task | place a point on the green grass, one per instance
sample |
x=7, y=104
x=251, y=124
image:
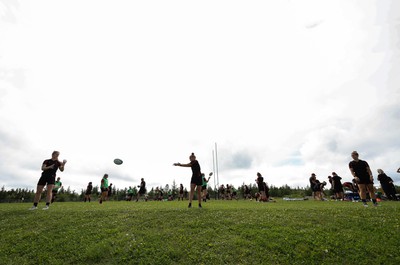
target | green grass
x=223, y=232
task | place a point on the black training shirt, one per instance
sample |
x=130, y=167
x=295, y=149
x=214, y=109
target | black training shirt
x=195, y=168
x=51, y=171
x=360, y=169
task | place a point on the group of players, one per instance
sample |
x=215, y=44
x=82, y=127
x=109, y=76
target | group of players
x=363, y=182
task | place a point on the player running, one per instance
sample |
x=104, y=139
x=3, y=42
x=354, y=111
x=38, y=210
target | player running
x=196, y=181
x=104, y=188
x=56, y=188
x=49, y=168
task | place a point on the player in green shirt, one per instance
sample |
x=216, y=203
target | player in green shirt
x=204, y=186
x=104, y=188
x=130, y=194
x=57, y=186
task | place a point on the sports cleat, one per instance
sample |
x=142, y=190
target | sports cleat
x=200, y=206
x=190, y=205
x=377, y=205
x=33, y=208
x=46, y=208
x=365, y=205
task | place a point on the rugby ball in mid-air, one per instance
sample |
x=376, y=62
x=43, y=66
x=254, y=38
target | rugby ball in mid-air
x=118, y=161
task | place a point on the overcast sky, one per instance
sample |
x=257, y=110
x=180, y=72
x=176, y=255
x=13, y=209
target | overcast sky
x=285, y=88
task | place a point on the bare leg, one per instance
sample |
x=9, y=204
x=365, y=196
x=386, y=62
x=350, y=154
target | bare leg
x=371, y=191
x=38, y=194
x=192, y=186
x=199, y=194
x=49, y=193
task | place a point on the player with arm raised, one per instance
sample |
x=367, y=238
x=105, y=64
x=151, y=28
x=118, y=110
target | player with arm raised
x=196, y=181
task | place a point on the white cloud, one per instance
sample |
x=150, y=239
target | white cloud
x=285, y=88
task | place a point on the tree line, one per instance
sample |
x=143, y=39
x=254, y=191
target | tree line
x=117, y=194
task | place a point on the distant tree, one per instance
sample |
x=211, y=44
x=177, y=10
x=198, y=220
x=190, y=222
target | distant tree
x=174, y=189
x=150, y=193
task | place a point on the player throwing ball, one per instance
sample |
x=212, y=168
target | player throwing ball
x=196, y=181
x=49, y=168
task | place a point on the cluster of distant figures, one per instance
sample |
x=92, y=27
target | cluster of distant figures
x=361, y=185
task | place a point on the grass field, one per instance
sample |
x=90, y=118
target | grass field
x=223, y=232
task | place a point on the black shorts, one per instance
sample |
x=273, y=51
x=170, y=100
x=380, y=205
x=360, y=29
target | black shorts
x=104, y=189
x=337, y=190
x=365, y=181
x=54, y=191
x=49, y=180
x=196, y=180
x=88, y=193
x=261, y=188
x=203, y=188
x=142, y=191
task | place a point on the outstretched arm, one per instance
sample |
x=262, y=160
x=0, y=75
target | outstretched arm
x=182, y=165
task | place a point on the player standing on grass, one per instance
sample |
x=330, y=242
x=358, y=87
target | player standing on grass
x=56, y=188
x=337, y=186
x=313, y=182
x=196, y=181
x=261, y=188
x=246, y=192
x=180, y=192
x=104, y=188
x=142, y=190
x=88, y=191
x=363, y=176
x=49, y=167
x=204, y=186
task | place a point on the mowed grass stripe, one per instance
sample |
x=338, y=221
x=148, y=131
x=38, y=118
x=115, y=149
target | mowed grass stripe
x=223, y=232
